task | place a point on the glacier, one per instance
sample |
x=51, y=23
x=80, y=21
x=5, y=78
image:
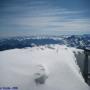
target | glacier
x=49, y=67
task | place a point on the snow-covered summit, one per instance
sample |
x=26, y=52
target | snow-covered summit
x=53, y=66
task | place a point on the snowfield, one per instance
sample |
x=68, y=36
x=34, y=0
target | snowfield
x=52, y=67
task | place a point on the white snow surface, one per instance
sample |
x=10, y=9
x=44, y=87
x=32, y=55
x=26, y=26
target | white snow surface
x=18, y=67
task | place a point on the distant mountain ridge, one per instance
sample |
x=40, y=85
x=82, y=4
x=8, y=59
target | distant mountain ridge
x=77, y=41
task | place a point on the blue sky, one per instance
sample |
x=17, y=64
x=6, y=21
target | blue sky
x=49, y=17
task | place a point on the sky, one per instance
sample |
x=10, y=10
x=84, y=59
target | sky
x=44, y=17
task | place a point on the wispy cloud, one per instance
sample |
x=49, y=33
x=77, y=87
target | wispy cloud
x=42, y=16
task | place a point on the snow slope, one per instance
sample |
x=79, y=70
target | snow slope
x=55, y=65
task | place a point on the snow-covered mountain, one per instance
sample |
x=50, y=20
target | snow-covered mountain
x=78, y=41
x=48, y=67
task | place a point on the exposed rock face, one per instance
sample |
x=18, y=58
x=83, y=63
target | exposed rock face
x=80, y=57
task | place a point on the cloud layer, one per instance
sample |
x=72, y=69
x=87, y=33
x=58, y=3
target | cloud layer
x=32, y=16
